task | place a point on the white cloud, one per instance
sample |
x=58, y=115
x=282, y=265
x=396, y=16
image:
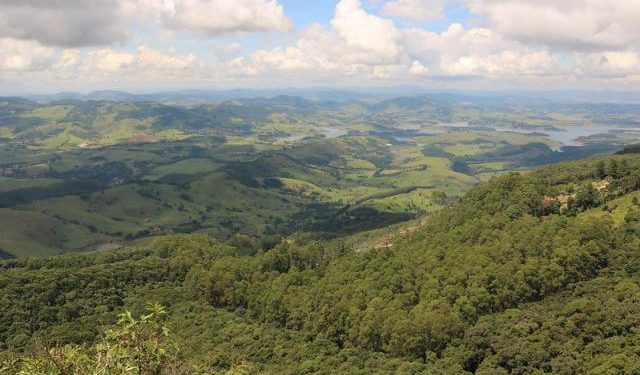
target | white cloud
x=608, y=64
x=81, y=23
x=287, y=59
x=565, y=24
x=19, y=55
x=143, y=63
x=415, y=10
x=417, y=69
x=68, y=60
x=536, y=42
x=74, y=69
x=371, y=33
x=367, y=47
x=107, y=60
x=358, y=45
x=621, y=61
x=455, y=42
x=216, y=17
x=506, y=63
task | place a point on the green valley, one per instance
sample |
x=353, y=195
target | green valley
x=412, y=235
x=526, y=274
x=95, y=175
x=344, y=187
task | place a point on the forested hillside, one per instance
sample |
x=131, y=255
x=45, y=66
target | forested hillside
x=526, y=274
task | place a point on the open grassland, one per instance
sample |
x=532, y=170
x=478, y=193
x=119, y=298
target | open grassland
x=35, y=234
x=131, y=192
x=619, y=210
x=96, y=172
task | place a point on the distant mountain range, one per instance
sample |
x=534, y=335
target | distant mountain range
x=194, y=97
x=368, y=95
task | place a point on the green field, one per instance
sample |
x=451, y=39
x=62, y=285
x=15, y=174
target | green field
x=109, y=172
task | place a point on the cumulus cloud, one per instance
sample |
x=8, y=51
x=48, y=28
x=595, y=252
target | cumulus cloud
x=454, y=42
x=415, y=10
x=357, y=28
x=417, y=69
x=67, y=61
x=476, y=51
x=369, y=47
x=18, y=55
x=566, y=24
x=68, y=23
x=145, y=62
x=81, y=23
x=358, y=44
x=506, y=63
x=608, y=64
x=512, y=41
x=215, y=17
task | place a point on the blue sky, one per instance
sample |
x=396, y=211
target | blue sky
x=441, y=44
x=304, y=13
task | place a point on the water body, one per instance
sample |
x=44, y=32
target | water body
x=460, y=124
x=405, y=133
x=568, y=135
x=329, y=132
x=408, y=138
x=333, y=132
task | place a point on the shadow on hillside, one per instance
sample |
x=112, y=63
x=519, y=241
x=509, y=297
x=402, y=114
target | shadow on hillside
x=333, y=220
x=5, y=255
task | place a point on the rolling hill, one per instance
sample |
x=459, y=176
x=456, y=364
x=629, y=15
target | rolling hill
x=526, y=274
x=98, y=174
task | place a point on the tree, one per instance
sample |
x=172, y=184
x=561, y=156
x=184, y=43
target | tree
x=601, y=171
x=612, y=168
x=439, y=197
x=135, y=346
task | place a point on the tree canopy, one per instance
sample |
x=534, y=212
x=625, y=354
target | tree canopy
x=527, y=274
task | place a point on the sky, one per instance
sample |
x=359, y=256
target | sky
x=152, y=45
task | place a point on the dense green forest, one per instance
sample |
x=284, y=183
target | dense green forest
x=526, y=274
